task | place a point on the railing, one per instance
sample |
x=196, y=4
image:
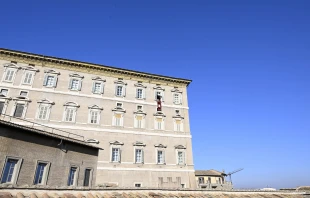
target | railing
x=45, y=128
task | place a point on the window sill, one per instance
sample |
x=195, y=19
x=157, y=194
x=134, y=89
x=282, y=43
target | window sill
x=161, y=163
x=7, y=81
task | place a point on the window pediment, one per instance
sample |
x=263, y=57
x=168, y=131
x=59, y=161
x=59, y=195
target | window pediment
x=46, y=101
x=158, y=87
x=75, y=75
x=120, y=82
x=140, y=85
x=116, y=143
x=94, y=141
x=30, y=68
x=179, y=147
x=98, y=78
x=72, y=104
x=178, y=116
x=158, y=113
x=176, y=90
x=137, y=143
x=11, y=65
x=2, y=96
x=96, y=107
x=139, y=112
x=160, y=146
x=51, y=71
x=22, y=98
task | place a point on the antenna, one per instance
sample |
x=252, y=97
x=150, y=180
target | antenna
x=230, y=173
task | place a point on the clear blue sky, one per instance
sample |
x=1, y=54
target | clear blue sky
x=249, y=62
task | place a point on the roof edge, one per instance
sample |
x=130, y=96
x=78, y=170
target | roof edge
x=94, y=65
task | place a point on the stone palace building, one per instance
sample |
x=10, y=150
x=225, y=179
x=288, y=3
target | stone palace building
x=143, y=146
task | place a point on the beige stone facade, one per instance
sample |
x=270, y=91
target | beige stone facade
x=117, y=107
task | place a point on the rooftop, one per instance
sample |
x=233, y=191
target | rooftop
x=8, y=121
x=208, y=173
x=86, y=65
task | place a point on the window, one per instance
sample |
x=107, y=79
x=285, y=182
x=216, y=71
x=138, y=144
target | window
x=157, y=95
x=138, y=185
x=115, y=155
x=119, y=90
x=209, y=180
x=177, y=111
x=94, y=117
x=41, y=173
x=50, y=78
x=75, y=83
x=139, y=156
x=4, y=92
x=178, y=124
x=87, y=177
x=119, y=105
x=50, y=81
x=28, y=78
x=9, y=74
x=177, y=98
x=69, y=115
x=97, y=88
x=201, y=180
x=72, y=176
x=139, y=93
x=19, y=110
x=43, y=112
x=23, y=93
x=181, y=157
x=139, y=121
x=160, y=157
x=159, y=123
x=118, y=119
x=1, y=107
x=139, y=108
x=10, y=171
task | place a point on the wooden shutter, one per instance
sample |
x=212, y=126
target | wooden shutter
x=70, y=83
x=102, y=88
x=55, y=81
x=45, y=80
x=80, y=85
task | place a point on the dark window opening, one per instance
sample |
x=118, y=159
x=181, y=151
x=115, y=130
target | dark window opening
x=19, y=110
x=87, y=177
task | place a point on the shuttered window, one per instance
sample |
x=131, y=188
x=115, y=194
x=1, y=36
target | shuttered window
x=19, y=110
x=9, y=75
x=43, y=112
x=28, y=78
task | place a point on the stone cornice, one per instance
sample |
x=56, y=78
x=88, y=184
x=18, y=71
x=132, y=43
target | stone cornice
x=78, y=66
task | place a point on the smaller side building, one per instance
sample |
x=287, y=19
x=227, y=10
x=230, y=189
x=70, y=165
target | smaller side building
x=212, y=179
x=30, y=156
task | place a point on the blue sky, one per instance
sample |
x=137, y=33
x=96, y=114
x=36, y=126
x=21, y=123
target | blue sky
x=249, y=62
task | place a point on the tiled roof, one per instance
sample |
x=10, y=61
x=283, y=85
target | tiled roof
x=208, y=173
x=41, y=132
x=134, y=193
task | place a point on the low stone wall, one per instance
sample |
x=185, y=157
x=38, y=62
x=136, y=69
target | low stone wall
x=143, y=193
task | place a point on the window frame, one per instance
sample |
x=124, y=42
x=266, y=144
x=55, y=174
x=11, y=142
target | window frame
x=16, y=170
x=120, y=83
x=121, y=119
x=156, y=123
x=50, y=73
x=135, y=155
x=116, y=145
x=70, y=106
x=90, y=176
x=45, y=174
x=76, y=175
x=77, y=77
x=163, y=156
x=10, y=67
x=97, y=109
x=98, y=79
x=6, y=93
